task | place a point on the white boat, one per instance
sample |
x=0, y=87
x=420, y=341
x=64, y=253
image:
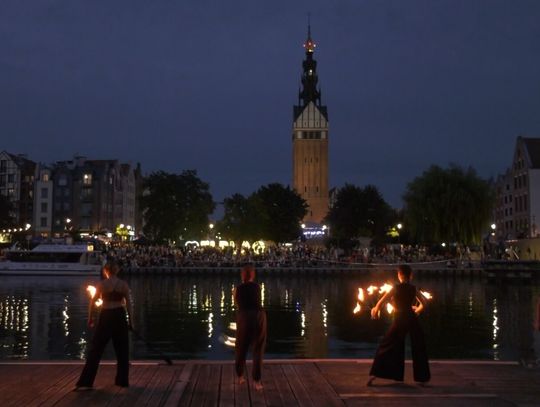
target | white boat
x=53, y=259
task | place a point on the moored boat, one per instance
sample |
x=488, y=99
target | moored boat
x=53, y=259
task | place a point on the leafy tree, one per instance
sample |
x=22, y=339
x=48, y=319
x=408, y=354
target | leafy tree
x=281, y=211
x=6, y=208
x=176, y=206
x=359, y=212
x=452, y=205
x=273, y=212
x=241, y=220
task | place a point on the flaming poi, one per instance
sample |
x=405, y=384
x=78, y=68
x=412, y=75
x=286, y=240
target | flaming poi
x=92, y=292
x=363, y=303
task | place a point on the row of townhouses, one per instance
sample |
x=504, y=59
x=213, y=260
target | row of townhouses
x=517, y=193
x=88, y=196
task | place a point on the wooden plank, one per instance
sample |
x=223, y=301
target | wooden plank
x=214, y=382
x=136, y=378
x=65, y=375
x=320, y=390
x=297, y=387
x=15, y=384
x=241, y=391
x=103, y=385
x=271, y=392
x=228, y=376
x=63, y=388
x=187, y=396
x=179, y=386
x=128, y=397
x=156, y=387
x=283, y=387
x=36, y=386
x=201, y=387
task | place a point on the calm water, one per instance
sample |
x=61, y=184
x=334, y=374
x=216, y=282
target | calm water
x=308, y=317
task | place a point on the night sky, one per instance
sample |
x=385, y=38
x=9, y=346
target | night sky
x=210, y=85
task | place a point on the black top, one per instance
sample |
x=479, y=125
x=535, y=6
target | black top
x=248, y=296
x=404, y=297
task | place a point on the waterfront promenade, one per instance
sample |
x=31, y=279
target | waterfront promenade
x=286, y=383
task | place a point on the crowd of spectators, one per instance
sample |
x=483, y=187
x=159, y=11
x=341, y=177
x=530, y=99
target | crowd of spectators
x=295, y=256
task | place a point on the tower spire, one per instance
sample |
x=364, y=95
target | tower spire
x=309, y=92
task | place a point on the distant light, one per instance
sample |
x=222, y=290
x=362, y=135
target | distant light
x=28, y=226
x=443, y=244
x=399, y=225
x=493, y=226
x=303, y=225
x=68, y=220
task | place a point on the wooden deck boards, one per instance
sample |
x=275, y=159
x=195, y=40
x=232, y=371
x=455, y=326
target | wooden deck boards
x=286, y=383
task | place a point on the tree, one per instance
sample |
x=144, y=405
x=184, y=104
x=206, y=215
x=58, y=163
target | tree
x=448, y=205
x=359, y=212
x=241, y=220
x=273, y=212
x=6, y=208
x=281, y=211
x=176, y=206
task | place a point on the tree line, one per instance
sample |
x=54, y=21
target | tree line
x=441, y=205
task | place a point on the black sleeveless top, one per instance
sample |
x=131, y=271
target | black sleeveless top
x=248, y=296
x=404, y=298
x=113, y=295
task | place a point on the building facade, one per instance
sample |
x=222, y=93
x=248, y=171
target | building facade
x=310, y=141
x=17, y=184
x=43, y=201
x=517, y=193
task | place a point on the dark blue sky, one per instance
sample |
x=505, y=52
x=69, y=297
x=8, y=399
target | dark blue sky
x=210, y=85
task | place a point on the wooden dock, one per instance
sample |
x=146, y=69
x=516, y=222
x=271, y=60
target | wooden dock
x=286, y=383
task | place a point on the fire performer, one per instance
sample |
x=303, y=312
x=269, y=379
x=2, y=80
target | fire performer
x=112, y=324
x=389, y=362
x=250, y=326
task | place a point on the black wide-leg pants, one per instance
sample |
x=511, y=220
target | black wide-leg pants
x=250, y=331
x=113, y=325
x=389, y=362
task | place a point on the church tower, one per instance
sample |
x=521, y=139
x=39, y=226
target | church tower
x=310, y=141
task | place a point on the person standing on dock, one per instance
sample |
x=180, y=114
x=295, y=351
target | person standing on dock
x=389, y=362
x=250, y=326
x=113, y=323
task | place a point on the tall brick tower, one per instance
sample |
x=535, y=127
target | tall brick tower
x=310, y=140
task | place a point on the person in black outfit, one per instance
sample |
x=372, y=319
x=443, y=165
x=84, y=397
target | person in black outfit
x=113, y=324
x=250, y=326
x=389, y=362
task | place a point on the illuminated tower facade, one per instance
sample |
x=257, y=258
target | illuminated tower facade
x=310, y=141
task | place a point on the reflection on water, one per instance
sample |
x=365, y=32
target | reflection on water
x=188, y=316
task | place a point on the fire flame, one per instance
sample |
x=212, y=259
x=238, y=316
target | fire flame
x=361, y=294
x=426, y=294
x=381, y=290
x=92, y=292
x=357, y=308
x=371, y=289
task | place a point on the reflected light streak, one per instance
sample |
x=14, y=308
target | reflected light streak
x=325, y=317
x=65, y=316
x=495, y=331
x=192, y=306
x=303, y=323
x=263, y=294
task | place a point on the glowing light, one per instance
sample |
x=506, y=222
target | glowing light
x=389, y=308
x=357, y=309
x=92, y=292
x=232, y=326
x=385, y=288
x=361, y=294
x=371, y=289
x=426, y=294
